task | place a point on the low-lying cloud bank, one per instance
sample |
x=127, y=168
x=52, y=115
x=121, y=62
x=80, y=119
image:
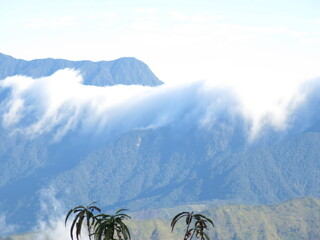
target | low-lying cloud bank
x=60, y=103
x=51, y=219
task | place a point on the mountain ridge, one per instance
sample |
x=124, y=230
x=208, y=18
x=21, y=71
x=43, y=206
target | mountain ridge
x=126, y=70
x=297, y=219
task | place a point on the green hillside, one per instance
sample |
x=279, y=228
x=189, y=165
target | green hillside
x=295, y=219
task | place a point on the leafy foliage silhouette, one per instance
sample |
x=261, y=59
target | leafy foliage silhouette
x=112, y=227
x=82, y=213
x=109, y=226
x=200, y=225
x=101, y=226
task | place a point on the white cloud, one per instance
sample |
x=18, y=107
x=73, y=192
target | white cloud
x=13, y=116
x=144, y=25
x=61, y=103
x=311, y=40
x=147, y=19
x=51, y=218
x=275, y=30
x=53, y=229
x=149, y=11
x=179, y=16
x=200, y=18
x=146, y=14
x=66, y=21
x=104, y=16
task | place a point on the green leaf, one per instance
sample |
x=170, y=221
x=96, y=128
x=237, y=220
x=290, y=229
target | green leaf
x=68, y=214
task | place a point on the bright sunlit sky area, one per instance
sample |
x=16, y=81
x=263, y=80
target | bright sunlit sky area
x=247, y=41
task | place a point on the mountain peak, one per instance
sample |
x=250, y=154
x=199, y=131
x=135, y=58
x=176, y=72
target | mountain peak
x=126, y=70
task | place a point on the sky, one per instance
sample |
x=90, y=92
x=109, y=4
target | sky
x=242, y=41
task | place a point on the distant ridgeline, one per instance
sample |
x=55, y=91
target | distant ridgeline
x=292, y=220
x=175, y=164
x=127, y=71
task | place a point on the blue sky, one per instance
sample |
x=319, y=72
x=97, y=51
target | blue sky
x=180, y=40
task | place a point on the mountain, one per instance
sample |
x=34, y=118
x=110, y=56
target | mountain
x=163, y=147
x=127, y=71
x=156, y=168
x=295, y=219
x=148, y=169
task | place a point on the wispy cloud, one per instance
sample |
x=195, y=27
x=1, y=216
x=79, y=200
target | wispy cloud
x=144, y=25
x=179, y=16
x=66, y=21
x=146, y=19
x=272, y=30
x=5, y=227
x=103, y=16
x=197, y=18
x=50, y=218
x=211, y=22
x=311, y=40
x=149, y=11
